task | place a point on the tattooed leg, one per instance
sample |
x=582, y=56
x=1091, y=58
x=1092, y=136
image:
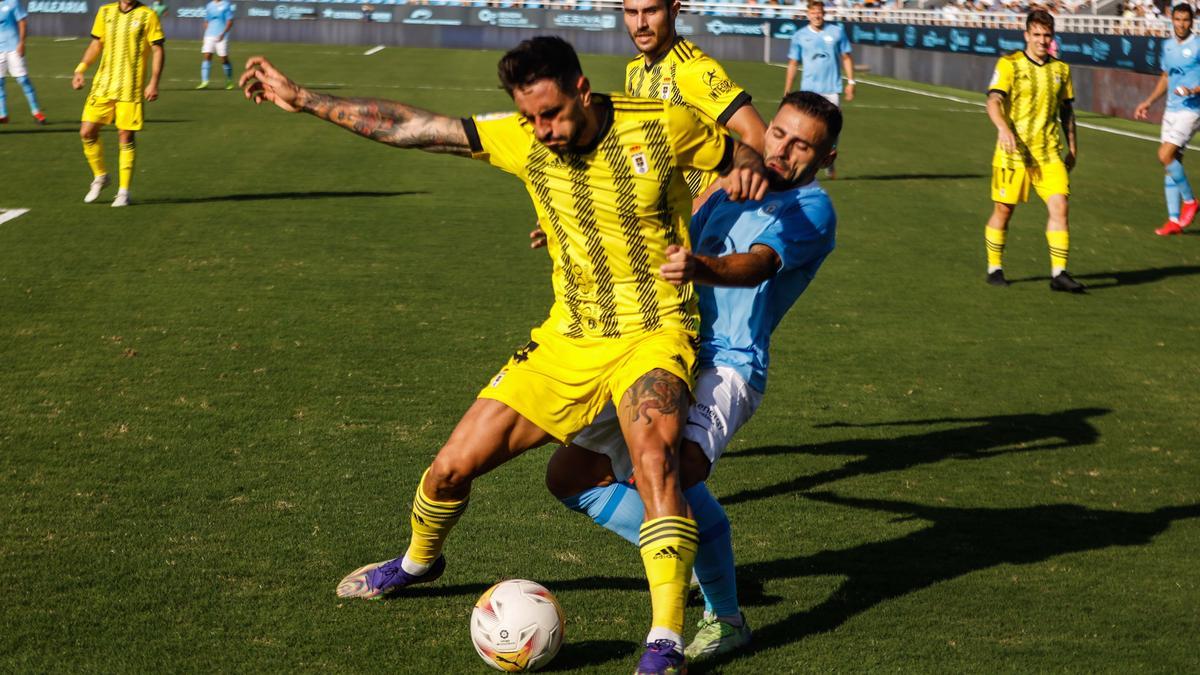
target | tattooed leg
x=652, y=413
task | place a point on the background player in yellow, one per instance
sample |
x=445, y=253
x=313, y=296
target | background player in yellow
x=604, y=175
x=674, y=69
x=125, y=36
x=1029, y=102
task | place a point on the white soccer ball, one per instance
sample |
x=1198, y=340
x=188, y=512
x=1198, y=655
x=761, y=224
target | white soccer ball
x=517, y=625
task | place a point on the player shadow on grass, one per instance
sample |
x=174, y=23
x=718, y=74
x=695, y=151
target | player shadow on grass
x=956, y=542
x=1127, y=278
x=265, y=196
x=985, y=437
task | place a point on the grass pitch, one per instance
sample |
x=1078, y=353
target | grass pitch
x=217, y=402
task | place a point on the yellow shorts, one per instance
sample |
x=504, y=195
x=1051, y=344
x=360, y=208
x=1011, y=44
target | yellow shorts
x=128, y=114
x=1011, y=185
x=561, y=383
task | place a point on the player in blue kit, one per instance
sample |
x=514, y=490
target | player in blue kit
x=12, y=57
x=754, y=260
x=1181, y=82
x=821, y=47
x=218, y=21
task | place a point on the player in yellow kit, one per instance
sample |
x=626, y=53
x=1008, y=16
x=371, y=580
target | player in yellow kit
x=674, y=69
x=604, y=174
x=1030, y=103
x=125, y=36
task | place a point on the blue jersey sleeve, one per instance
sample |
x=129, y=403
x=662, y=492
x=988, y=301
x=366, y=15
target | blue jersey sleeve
x=844, y=42
x=229, y=13
x=794, y=51
x=701, y=216
x=19, y=13
x=799, y=236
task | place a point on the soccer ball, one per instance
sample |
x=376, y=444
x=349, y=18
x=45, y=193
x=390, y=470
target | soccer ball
x=517, y=625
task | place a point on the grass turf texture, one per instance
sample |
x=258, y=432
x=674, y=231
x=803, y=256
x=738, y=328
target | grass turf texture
x=216, y=403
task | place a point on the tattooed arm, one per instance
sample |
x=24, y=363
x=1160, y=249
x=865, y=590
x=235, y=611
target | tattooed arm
x=390, y=122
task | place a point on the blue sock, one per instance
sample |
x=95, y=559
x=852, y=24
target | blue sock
x=714, y=558
x=1175, y=171
x=205, y=69
x=3, y=100
x=616, y=508
x=30, y=94
x=1173, y=198
x=228, y=67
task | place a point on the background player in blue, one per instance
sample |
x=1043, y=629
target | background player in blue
x=821, y=48
x=755, y=259
x=1181, y=77
x=12, y=57
x=218, y=21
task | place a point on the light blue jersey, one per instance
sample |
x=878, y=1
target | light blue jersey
x=218, y=14
x=736, y=323
x=820, y=53
x=1181, y=62
x=11, y=12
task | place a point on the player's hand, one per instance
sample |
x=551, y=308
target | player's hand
x=1142, y=111
x=680, y=267
x=21, y=49
x=1069, y=159
x=537, y=238
x=849, y=92
x=151, y=93
x=1008, y=141
x=78, y=80
x=745, y=183
x=263, y=82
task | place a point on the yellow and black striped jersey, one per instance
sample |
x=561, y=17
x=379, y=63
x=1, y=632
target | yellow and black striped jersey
x=685, y=75
x=610, y=210
x=1034, y=95
x=127, y=37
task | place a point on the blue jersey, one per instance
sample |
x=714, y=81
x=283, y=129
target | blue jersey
x=218, y=14
x=736, y=323
x=820, y=52
x=11, y=12
x=1181, y=62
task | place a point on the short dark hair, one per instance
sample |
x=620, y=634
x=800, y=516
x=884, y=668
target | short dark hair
x=816, y=3
x=540, y=58
x=816, y=105
x=1040, y=17
x=1184, y=7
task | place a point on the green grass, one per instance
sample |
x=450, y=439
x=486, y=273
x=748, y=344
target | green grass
x=217, y=402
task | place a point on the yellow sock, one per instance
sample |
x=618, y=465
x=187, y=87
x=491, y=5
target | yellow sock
x=995, y=246
x=93, y=150
x=431, y=522
x=1060, y=245
x=668, y=547
x=125, y=164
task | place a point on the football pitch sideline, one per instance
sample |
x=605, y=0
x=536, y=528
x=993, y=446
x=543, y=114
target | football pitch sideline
x=219, y=401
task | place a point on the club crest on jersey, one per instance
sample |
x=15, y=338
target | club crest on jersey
x=638, y=158
x=664, y=91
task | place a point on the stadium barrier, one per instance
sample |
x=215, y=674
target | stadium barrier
x=959, y=56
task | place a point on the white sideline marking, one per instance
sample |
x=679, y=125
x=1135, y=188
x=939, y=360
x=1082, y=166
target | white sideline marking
x=959, y=99
x=66, y=39
x=8, y=214
x=373, y=50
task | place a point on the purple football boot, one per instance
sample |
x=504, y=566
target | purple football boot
x=662, y=657
x=383, y=579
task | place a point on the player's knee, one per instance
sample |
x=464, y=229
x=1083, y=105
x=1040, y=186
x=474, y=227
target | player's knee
x=449, y=478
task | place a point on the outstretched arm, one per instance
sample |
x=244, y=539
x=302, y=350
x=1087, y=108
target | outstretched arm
x=390, y=122
x=734, y=269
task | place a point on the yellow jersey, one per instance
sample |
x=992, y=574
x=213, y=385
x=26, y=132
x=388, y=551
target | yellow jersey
x=610, y=211
x=684, y=75
x=127, y=37
x=1034, y=95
